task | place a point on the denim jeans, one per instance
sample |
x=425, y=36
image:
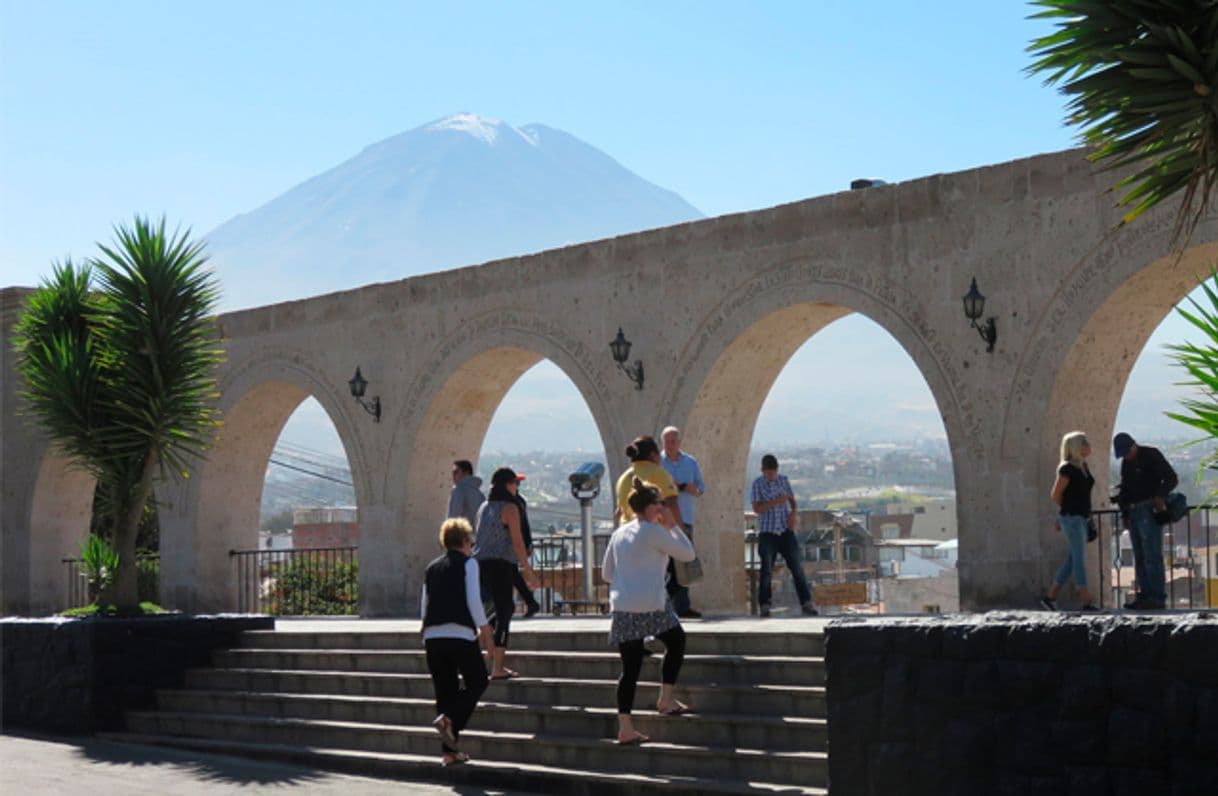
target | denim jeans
x=771, y=545
x=1146, y=536
x=1074, y=528
x=676, y=592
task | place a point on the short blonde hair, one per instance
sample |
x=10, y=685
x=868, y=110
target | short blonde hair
x=1072, y=448
x=455, y=532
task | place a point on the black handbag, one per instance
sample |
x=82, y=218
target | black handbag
x=1093, y=532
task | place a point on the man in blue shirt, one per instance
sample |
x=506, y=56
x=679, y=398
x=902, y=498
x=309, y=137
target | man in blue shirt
x=688, y=477
x=774, y=503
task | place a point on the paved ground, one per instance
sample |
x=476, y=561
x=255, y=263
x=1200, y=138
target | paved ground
x=32, y=764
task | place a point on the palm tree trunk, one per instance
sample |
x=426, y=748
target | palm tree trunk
x=124, y=591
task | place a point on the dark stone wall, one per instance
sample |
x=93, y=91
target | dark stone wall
x=78, y=676
x=1023, y=703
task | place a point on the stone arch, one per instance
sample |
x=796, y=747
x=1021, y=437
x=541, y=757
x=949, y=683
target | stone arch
x=61, y=507
x=258, y=396
x=460, y=388
x=1090, y=339
x=741, y=347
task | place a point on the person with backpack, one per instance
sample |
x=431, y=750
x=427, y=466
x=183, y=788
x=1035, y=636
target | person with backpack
x=1146, y=481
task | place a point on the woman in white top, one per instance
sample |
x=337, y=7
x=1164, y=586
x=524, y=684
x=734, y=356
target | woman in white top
x=634, y=566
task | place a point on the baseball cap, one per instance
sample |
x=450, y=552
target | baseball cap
x=520, y=477
x=1121, y=444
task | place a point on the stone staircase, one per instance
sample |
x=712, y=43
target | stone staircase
x=361, y=701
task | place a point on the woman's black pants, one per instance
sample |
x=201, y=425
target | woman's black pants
x=446, y=659
x=497, y=578
x=633, y=652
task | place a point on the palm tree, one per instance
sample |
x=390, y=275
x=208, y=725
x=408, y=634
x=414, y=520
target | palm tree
x=121, y=377
x=1142, y=77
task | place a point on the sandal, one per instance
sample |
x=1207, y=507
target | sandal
x=444, y=726
x=636, y=740
x=679, y=710
x=508, y=674
x=454, y=759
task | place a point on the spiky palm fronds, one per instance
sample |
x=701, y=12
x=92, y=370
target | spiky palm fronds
x=121, y=377
x=1200, y=362
x=1142, y=77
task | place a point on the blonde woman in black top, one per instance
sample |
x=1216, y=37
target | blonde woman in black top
x=1072, y=493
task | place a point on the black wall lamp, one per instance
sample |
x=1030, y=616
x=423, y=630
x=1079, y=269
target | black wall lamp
x=358, y=384
x=974, y=306
x=621, y=352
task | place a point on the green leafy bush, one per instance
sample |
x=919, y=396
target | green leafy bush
x=315, y=587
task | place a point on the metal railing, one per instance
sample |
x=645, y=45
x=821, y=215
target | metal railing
x=148, y=574
x=560, y=568
x=309, y=582
x=1182, y=542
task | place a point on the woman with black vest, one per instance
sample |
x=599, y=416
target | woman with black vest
x=453, y=621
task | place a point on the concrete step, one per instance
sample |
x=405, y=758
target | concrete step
x=479, y=774
x=549, y=636
x=773, y=732
x=660, y=758
x=786, y=700
x=774, y=670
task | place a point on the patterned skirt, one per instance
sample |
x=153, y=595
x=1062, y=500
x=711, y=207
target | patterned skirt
x=631, y=626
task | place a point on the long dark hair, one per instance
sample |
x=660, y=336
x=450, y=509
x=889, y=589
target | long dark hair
x=642, y=449
x=499, y=481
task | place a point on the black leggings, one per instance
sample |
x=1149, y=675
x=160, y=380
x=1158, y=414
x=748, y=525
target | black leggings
x=446, y=658
x=633, y=652
x=497, y=578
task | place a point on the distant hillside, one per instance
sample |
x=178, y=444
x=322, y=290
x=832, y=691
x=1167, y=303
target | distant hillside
x=461, y=190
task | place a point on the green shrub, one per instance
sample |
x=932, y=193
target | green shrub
x=315, y=587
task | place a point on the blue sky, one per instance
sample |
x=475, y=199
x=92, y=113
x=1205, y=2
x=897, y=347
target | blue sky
x=203, y=110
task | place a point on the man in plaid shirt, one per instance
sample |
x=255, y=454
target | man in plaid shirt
x=774, y=503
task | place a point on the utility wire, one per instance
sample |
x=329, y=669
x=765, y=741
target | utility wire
x=312, y=473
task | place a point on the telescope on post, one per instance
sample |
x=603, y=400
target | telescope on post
x=585, y=486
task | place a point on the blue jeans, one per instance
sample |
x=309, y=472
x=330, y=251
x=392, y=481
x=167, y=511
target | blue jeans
x=1074, y=528
x=1146, y=536
x=676, y=592
x=770, y=546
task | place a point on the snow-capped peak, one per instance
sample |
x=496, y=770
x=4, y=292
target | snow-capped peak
x=484, y=128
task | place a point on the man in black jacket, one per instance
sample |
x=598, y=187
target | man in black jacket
x=1146, y=480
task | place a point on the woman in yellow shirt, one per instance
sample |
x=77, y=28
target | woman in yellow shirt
x=644, y=455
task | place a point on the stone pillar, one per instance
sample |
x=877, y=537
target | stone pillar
x=389, y=568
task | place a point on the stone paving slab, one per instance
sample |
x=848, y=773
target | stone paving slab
x=32, y=764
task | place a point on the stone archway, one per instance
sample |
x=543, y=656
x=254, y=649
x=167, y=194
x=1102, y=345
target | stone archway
x=1088, y=385
x=228, y=486
x=762, y=326
x=61, y=508
x=471, y=376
